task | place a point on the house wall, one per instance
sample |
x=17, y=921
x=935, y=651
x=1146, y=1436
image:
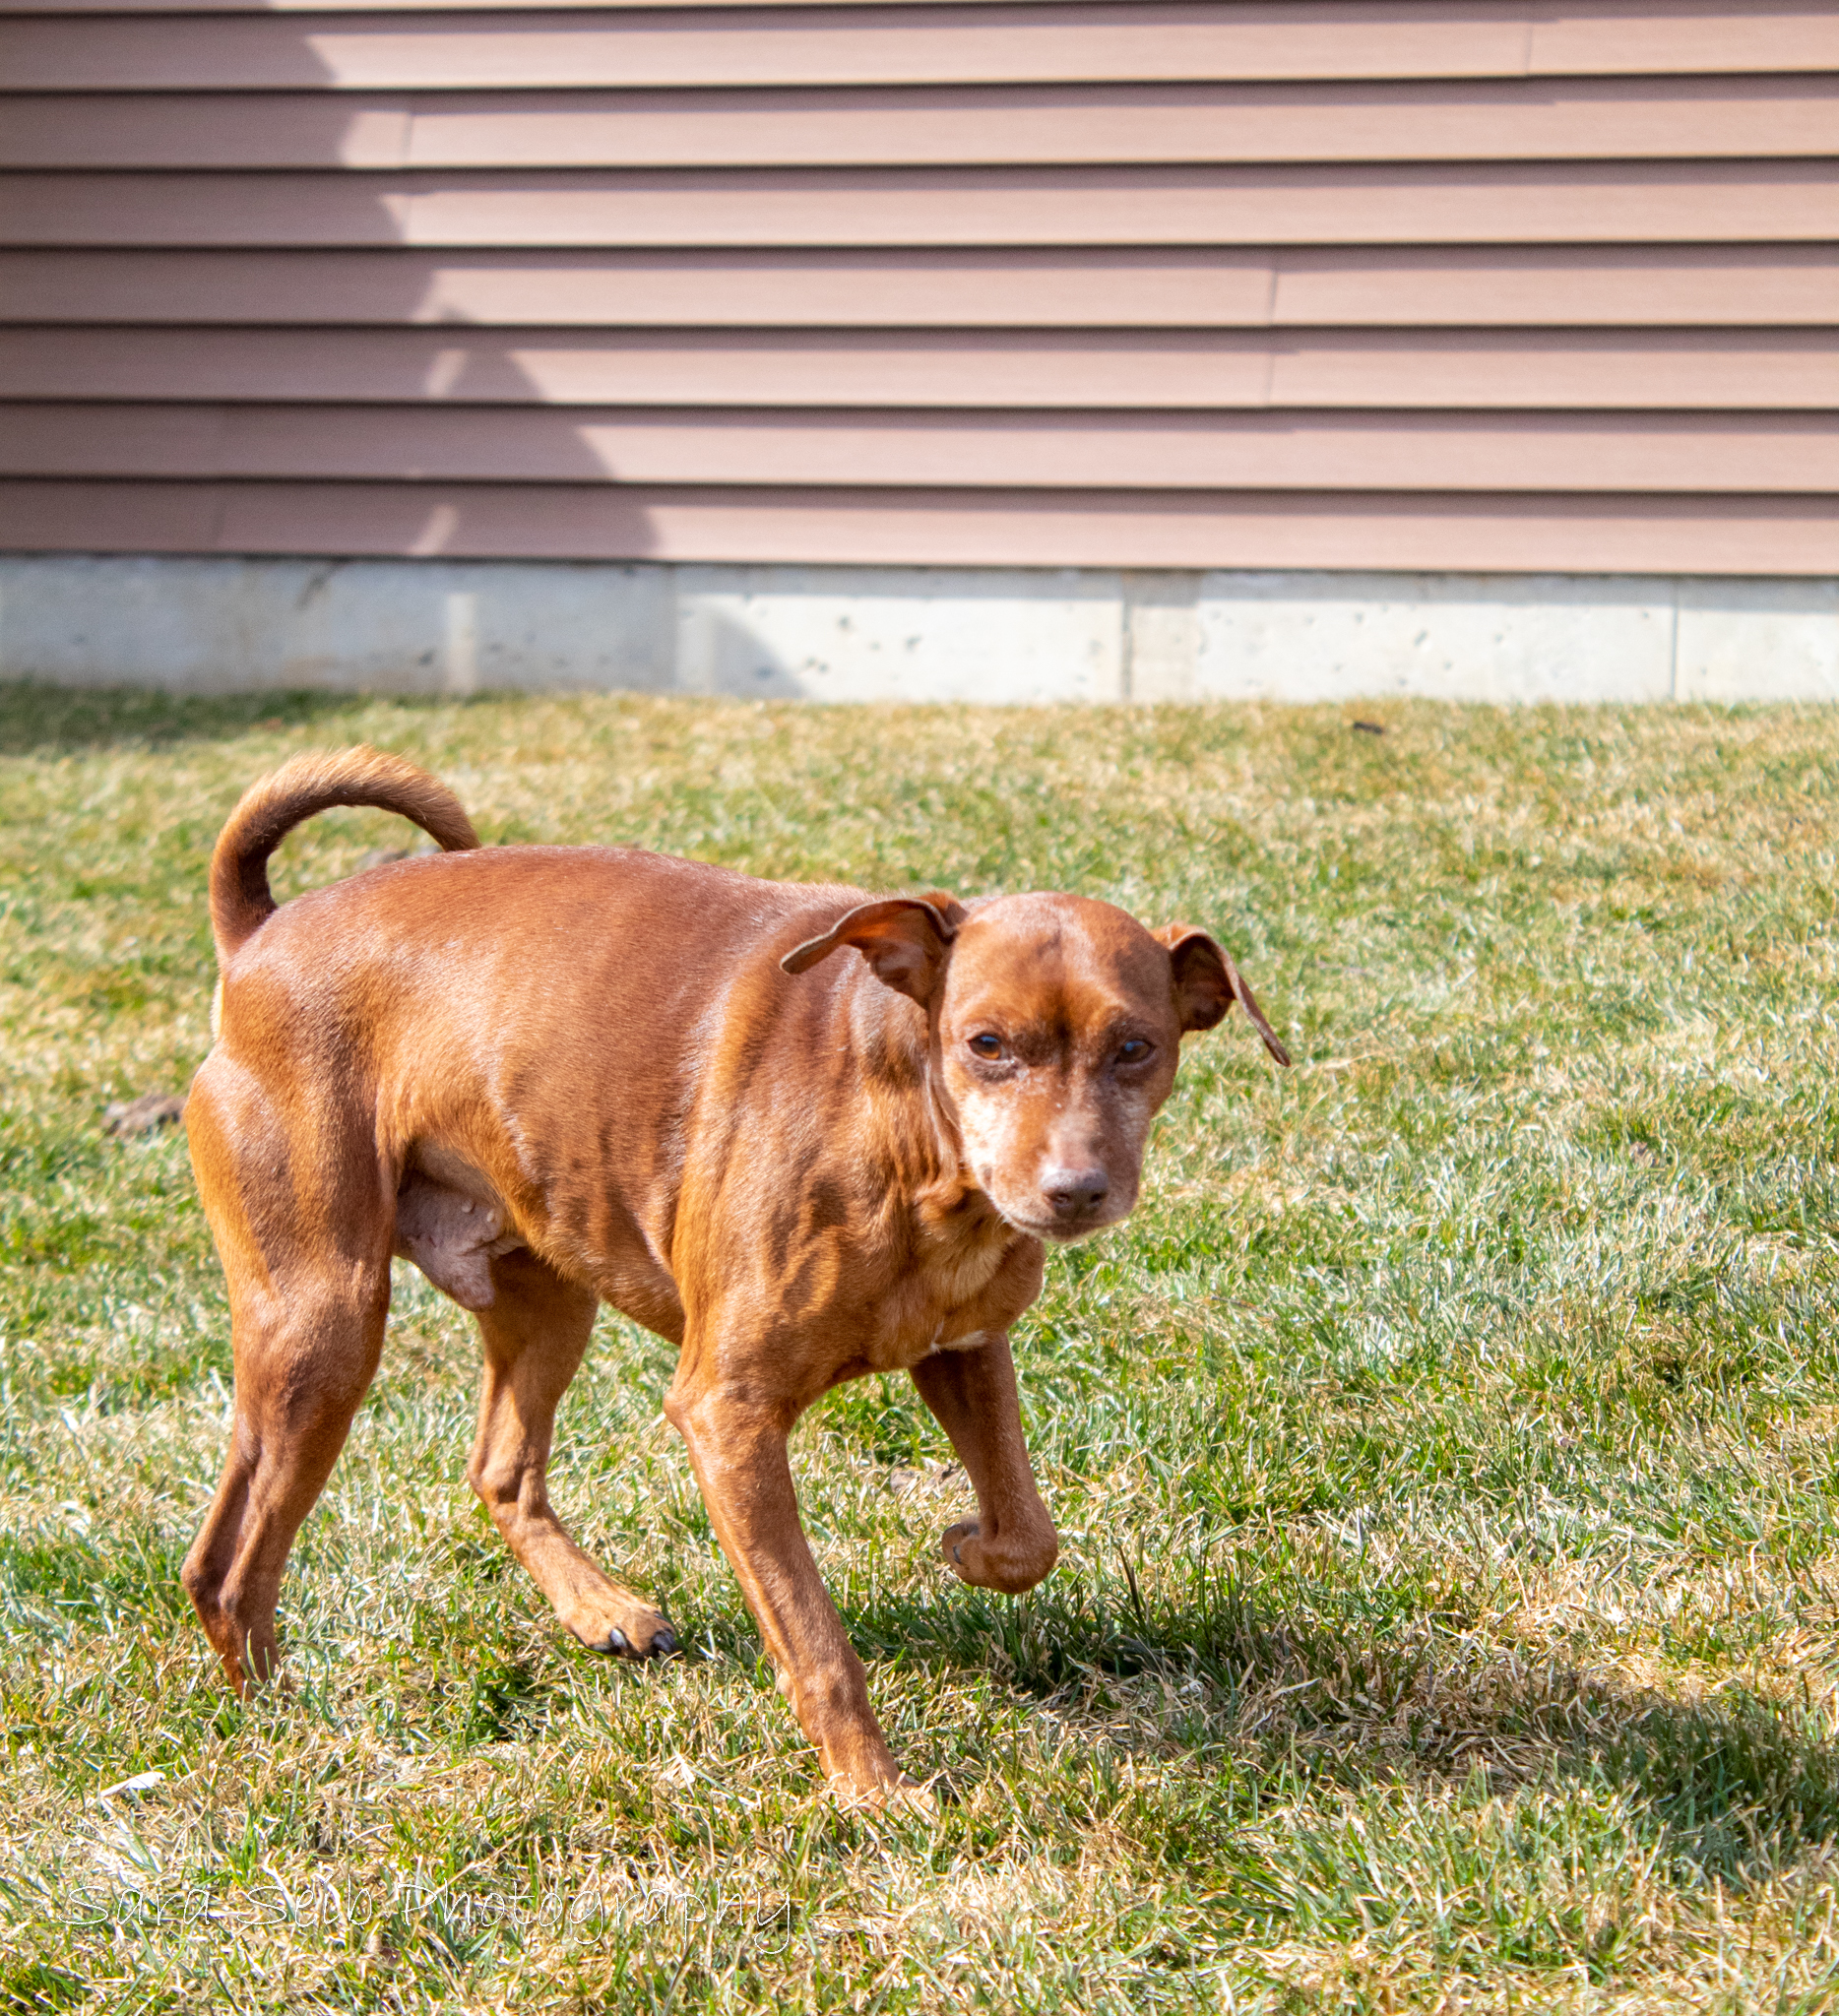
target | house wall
x=1327, y=289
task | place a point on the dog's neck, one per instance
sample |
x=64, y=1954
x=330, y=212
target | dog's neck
x=900, y=1045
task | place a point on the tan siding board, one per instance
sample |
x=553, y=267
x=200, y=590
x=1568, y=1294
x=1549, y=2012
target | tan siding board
x=1579, y=119
x=1473, y=286
x=1505, y=535
x=1260, y=451
x=1779, y=371
x=869, y=46
x=1544, y=204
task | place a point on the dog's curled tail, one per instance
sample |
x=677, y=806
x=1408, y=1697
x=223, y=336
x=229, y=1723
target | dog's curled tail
x=304, y=785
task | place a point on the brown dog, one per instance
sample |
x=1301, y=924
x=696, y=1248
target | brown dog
x=556, y=1076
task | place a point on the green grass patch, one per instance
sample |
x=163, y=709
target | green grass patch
x=1448, y=1615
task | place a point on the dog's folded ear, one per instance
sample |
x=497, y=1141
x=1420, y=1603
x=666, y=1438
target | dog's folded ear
x=1207, y=983
x=904, y=938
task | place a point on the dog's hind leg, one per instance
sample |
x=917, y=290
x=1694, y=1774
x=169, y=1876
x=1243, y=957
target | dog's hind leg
x=535, y=1330
x=307, y=1262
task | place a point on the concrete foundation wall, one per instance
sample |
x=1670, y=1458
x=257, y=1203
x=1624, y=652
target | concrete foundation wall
x=1009, y=636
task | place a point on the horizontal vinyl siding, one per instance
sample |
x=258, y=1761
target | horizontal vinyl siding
x=1294, y=40
x=1516, y=204
x=554, y=376
x=56, y=8
x=1783, y=453
x=1653, y=294
x=949, y=529
x=1574, y=119
x=1446, y=285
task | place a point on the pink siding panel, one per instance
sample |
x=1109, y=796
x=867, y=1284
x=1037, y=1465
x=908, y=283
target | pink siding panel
x=217, y=130
x=1285, y=451
x=1632, y=370
x=1503, y=285
x=66, y=9
x=641, y=369
x=944, y=288
x=1410, y=286
x=1103, y=528
x=1583, y=119
x=1408, y=371
x=857, y=47
x=1564, y=203
x=1628, y=35
x=796, y=47
x=1765, y=285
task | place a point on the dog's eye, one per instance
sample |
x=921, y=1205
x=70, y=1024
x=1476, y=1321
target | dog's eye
x=989, y=1048
x=1134, y=1052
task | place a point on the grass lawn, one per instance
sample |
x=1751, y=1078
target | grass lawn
x=1448, y=1611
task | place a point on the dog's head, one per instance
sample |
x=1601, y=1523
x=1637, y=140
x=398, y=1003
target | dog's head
x=1055, y=1024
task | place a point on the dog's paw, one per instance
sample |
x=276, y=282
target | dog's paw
x=658, y=1641
x=905, y=1796
x=971, y=1557
x=955, y=1541
x=1010, y=1563
x=914, y=1796
x=890, y=1793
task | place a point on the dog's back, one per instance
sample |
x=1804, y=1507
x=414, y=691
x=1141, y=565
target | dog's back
x=590, y=991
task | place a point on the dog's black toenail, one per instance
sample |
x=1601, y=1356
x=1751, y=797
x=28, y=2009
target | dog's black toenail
x=664, y=1643
x=614, y=1640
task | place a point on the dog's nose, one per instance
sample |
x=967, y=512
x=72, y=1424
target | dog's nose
x=1074, y=1191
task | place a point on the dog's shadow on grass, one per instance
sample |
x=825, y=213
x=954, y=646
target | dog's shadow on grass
x=38, y=719
x=1733, y=1785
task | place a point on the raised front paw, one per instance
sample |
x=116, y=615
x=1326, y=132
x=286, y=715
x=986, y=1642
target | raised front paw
x=1010, y=1561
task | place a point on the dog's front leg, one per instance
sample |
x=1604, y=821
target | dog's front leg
x=737, y=1450
x=1011, y=1544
